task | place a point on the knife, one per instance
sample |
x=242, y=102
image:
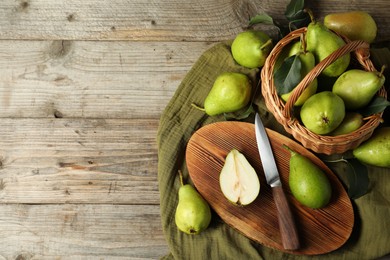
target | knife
x=288, y=230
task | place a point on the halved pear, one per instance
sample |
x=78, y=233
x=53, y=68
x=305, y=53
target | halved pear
x=238, y=180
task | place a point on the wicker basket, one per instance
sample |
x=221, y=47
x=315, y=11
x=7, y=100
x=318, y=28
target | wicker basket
x=283, y=112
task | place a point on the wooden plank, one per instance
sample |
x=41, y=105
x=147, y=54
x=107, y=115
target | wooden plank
x=163, y=20
x=92, y=79
x=120, y=19
x=81, y=232
x=78, y=161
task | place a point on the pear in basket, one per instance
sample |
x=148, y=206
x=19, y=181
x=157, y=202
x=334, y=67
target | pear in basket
x=351, y=122
x=307, y=64
x=323, y=112
x=322, y=42
x=357, y=87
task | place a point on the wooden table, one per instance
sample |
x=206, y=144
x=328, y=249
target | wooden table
x=82, y=87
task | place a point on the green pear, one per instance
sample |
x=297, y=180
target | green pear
x=352, y=121
x=307, y=64
x=193, y=214
x=322, y=42
x=307, y=182
x=231, y=92
x=376, y=150
x=323, y=112
x=355, y=25
x=238, y=180
x=251, y=48
x=357, y=87
x=295, y=49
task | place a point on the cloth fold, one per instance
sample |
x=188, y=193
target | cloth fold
x=371, y=234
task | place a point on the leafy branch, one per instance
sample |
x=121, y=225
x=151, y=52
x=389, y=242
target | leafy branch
x=295, y=14
x=357, y=177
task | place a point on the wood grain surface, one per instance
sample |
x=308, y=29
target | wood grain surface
x=83, y=86
x=162, y=20
x=320, y=230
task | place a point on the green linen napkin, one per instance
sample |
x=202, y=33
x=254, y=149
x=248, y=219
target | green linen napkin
x=371, y=234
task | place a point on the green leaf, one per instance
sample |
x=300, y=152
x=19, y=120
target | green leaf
x=261, y=18
x=294, y=7
x=377, y=105
x=287, y=77
x=302, y=19
x=357, y=175
x=296, y=14
x=264, y=18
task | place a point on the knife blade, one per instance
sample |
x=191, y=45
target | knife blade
x=287, y=227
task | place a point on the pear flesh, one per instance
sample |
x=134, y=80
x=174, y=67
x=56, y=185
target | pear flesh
x=238, y=180
x=322, y=42
x=307, y=182
x=376, y=150
x=230, y=92
x=355, y=25
x=193, y=214
x=357, y=87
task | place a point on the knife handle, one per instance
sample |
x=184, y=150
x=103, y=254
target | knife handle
x=288, y=230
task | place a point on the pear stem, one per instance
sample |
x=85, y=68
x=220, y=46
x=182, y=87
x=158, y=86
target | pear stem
x=310, y=12
x=198, y=107
x=382, y=70
x=266, y=44
x=289, y=149
x=303, y=43
x=181, y=178
x=336, y=161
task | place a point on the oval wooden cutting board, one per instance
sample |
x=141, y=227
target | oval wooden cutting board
x=320, y=231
